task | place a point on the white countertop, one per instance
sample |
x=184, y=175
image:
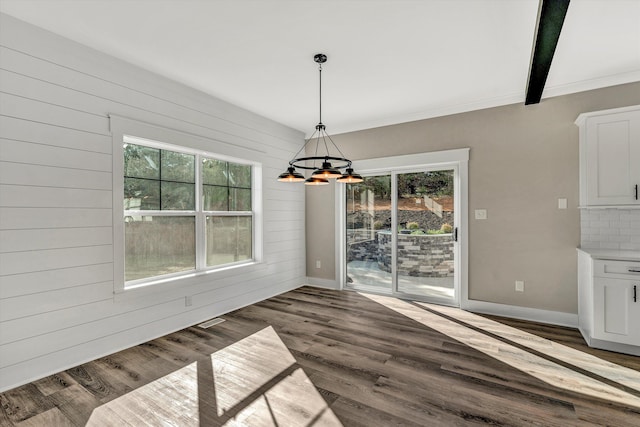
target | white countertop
x=613, y=254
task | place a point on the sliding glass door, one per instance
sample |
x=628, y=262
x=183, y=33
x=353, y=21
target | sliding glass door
x=368, y=219
x=401, y=234
x=425, y=261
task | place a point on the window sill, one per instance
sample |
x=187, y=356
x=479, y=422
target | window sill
x=180, y=285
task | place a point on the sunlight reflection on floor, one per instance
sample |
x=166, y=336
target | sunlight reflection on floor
x=147, y=405
x=586, y=361
x=520, y=359
x=258, y=376
x=254, y=381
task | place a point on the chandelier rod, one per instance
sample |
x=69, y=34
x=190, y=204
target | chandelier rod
x=320, y=74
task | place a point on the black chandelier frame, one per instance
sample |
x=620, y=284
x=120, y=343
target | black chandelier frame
x=346, y=162
x=331, y=166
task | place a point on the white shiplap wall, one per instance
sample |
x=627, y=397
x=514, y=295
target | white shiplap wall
x=57, y=304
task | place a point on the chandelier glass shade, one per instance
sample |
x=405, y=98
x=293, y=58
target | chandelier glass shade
x=324, y=166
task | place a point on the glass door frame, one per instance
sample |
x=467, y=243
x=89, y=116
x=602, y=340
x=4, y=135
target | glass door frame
x=456, y=160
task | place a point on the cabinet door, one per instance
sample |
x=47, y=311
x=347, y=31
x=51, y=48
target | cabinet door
x=616, y=314
x=613, y=159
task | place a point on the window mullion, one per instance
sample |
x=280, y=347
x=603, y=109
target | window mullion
x=201, y=238
x=159, y=213
x=228, y=213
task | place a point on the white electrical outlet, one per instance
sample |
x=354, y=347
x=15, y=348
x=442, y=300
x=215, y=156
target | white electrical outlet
x=519, y=286
x=318, y=264
x=481, y=214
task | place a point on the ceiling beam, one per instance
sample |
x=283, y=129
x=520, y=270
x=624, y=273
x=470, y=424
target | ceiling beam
x=550, y=19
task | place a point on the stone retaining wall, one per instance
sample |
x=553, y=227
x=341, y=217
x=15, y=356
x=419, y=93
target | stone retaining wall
x=418, y=255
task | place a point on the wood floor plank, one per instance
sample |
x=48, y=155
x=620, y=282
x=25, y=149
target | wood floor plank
x=473, y=404
x=24, y=402
x=354, y=413
x=4, y=420
x=321, y=357
x=76, y=403
x=54, y=383
x=370, y=394
x=102, y=388
x=595, y=415
x=52, y=417
x=138, y=363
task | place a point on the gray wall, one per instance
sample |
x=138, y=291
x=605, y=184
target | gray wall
x=522, y=160
x=57, y=215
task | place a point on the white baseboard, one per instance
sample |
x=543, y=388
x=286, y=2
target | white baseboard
x=322, y=283
x=610, y=346
x=525, y=313
x=614, y=346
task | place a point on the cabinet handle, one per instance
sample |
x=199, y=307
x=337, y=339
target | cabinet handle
x=635, y=295
x=636, y=191
x=633, y=270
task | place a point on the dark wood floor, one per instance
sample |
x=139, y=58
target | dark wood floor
x=319, y=357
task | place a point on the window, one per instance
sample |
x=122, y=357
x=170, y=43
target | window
x=184, y=211
x=226, y=190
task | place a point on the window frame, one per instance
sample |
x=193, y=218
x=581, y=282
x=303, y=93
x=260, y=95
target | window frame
x=127, y=131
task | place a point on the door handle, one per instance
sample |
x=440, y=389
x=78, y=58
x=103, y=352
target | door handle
x=455, y=234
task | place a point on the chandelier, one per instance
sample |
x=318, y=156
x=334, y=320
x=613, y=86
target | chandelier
x=331, y=166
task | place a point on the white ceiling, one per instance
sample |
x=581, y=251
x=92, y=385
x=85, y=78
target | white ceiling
x=390, y=61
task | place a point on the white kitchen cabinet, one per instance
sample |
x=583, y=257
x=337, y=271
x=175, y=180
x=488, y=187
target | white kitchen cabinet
x=610, y=157
x=616, y=311
x=609, y=300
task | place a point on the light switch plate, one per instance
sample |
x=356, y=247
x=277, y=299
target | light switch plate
x=562, y=203
x=481, y=214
